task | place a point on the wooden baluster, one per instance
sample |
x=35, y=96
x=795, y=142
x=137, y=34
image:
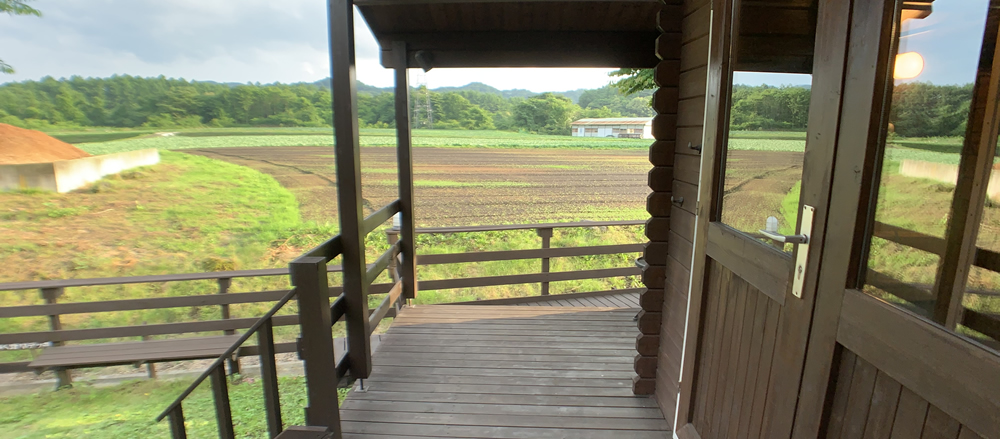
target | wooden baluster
x=176, y=419
x=392, y=236
x=51, y=296
x=220, y=396
x=233, y=363
x=546, y=235
x=150, y=367
x=316, y=345
x=269, y=378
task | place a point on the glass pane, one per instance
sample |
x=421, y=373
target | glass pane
x=935, y=68
x=767, y=137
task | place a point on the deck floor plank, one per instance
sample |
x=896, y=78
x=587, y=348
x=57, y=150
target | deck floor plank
x=488, y=371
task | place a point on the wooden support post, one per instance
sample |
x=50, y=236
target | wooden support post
x=176, y=419
x=269, y=378
x=316, y=345
x=232, y=363
x=220, y=397
x=51, y=296
x=546, y=235
x=974, y=170
x=404, y=155
x=348, y=158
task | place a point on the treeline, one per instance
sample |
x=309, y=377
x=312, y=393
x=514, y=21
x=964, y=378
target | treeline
x=918, y=109
x=128, y=101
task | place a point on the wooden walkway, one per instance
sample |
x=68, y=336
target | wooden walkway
x=493, y=371
x=627, y=300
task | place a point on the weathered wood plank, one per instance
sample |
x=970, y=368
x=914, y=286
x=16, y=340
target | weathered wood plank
x=460, y=371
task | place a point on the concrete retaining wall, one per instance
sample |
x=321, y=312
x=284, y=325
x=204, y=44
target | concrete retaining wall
x=67, y=175
x=945, y=174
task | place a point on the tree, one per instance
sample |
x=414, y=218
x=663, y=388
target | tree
x=15, y=7
x=546, y=113
x=633, y=80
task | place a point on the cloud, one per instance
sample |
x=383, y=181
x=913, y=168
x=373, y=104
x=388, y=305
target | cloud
x=220, y=40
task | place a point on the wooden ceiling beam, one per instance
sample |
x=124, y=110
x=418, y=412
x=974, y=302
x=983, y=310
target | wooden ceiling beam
x=526, y=49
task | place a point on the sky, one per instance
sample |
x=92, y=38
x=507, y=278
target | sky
x=267, y=41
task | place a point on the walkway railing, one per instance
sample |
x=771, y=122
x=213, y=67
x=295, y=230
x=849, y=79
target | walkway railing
x=313, y=293
x=220, y=390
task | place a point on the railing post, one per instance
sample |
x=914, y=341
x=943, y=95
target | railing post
x=176, y=419
x=220, y=396
x=51, y=296
x=316, y=346
x=404, y=154
x=269, y=378
x=392, y=236
x=150, y=367
x=546, y=235
x=224, y=284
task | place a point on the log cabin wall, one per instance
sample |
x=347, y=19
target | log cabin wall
x=675, y=155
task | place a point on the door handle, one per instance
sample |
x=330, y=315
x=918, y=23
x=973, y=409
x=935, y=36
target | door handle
x=802, y=239
x=787, y=239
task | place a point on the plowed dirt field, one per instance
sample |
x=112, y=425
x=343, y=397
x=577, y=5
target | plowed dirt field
x=470, y=186
x=466, y=186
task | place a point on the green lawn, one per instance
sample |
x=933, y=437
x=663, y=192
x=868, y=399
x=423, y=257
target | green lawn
x=129, y=410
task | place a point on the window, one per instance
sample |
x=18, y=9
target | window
x=764, y=154
x=920, y=255
x=591, y=131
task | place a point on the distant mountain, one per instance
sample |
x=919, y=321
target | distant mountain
x=573, y=95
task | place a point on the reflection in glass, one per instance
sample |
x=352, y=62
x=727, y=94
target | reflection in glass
x=763, y=167
x=934, y=71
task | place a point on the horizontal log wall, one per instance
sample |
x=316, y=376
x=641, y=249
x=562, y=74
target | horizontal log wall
x=684, y=80
x=662, y=200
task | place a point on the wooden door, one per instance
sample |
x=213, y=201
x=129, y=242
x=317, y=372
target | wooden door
x=905, y=341
x=897, y=330
x=748, y=320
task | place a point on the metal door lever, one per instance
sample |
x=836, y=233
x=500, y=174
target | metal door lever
x=788, y=239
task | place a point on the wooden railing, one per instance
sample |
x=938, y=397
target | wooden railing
x=220, y=390
x=57, y=335
x=545, y=254
x=921, y=296
x=313, y=292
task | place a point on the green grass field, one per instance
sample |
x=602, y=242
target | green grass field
x=369, y=137
x=192, y=214
x=129, y=410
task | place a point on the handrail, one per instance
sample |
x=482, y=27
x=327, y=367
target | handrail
x=229, y=352
x=382, y=263
x=103, y=281
x=496, y=228
x=380, y=216
x=328, y=250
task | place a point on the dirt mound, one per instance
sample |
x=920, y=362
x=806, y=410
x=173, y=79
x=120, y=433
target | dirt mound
x=18, y=145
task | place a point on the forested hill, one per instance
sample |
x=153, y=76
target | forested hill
x=573, y=95
x=126, y=101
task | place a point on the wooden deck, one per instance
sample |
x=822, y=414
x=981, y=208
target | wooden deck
x=628, y=300
x=494, y=371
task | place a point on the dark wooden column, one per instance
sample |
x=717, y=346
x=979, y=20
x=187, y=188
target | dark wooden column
x=348, y=158
x=662, y=200
x=404, y=156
